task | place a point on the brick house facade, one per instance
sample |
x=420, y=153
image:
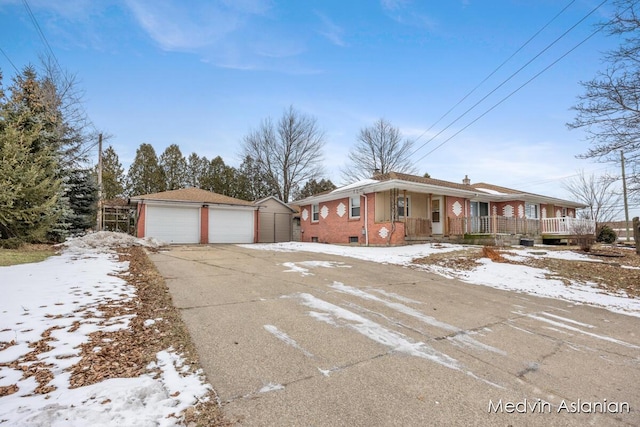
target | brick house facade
x=394, y=209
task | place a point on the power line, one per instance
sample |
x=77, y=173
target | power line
x=509, y=78
x=546, y=181
x=511, y=93
x=492, y=73
x=9, y=59
x=45, y=42
x=43, y=38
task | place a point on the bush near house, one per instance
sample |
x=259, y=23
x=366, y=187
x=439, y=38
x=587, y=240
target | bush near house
x=606, y=234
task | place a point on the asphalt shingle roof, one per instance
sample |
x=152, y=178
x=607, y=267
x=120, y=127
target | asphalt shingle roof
x=196, y=195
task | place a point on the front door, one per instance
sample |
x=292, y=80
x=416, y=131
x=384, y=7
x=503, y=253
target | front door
x=436, y=217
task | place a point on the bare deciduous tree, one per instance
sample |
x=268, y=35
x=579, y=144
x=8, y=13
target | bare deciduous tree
x=609, y=109
x=287, y=153
x=380, y=148
x=598, y=193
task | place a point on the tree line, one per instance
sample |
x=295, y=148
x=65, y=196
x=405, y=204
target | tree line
x=150, y=173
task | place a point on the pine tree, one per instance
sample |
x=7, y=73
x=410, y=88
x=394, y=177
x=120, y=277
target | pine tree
x=174, y=167
x=30, y=187
x=216, y=176
x=30, y=173
x=313, y=187
x=196, y=169
x=82, y=192
x=112, y=175
x=252, y=182
x=145, y=175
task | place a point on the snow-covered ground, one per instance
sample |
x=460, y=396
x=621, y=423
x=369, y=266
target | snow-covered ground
x=61, y=296
x=505, y=276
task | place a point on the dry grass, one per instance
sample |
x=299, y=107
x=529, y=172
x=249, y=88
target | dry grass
x=605, y=267
x=26, y=254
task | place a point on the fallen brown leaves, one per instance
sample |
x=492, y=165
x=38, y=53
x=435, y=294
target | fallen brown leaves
x=31, y=367
x=128, y=352
x=124, y=353
x=493, y=254
x=612, y=269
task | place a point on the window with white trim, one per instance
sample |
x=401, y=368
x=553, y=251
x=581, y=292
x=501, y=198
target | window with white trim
x=531, y=210
x=315, y=213
x=354, y=207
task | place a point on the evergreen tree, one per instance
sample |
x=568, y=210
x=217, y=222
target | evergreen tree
x=82, y=192
x=216, y=178
x=252, y=182
x=30, y=174
x=42, y=132
x=112, y=175
x=196, y=169
x=174, y=167
x=313, y=187
x=145, y=175
x=29, y=200
x=80, y=195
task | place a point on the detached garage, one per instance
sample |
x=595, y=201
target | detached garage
x=192, y=215
x=275, y=220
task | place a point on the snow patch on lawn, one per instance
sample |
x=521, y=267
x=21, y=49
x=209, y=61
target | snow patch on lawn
x=62, y=295
x=497, y=275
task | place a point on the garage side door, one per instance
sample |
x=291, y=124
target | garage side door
x=267, y=227
x=230, y=226
x=173, y=224
x=283, y=227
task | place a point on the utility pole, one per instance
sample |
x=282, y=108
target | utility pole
x=99, y=213
x=624, y=192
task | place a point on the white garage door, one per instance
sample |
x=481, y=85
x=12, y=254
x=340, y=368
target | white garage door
x=230, y=226
x=173, y=224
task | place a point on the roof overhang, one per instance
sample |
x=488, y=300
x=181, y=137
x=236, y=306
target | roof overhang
x=525, y=197
x=398, y=184
x=471, y=194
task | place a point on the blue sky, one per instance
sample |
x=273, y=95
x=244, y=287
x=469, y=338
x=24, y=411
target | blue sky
x=202, y=74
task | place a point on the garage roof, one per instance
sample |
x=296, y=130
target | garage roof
x=195, y=195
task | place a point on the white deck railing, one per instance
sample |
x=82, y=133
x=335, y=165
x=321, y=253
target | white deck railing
x=513, y=225
x=567, y=226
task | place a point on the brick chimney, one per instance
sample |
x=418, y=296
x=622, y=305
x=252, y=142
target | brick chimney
x=466, y=180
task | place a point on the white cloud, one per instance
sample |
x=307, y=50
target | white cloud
x=177, y=26
x=401, y=12
x=331, y=31
x=393, y=4
x=242, y=35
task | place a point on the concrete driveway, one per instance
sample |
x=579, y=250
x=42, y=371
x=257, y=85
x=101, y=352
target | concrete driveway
x=299, y=338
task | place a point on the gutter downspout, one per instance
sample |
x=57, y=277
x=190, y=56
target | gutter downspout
x=366, y=219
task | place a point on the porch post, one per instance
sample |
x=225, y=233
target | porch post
x=636, y=233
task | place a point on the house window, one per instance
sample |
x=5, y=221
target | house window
x=404, y=206
x=435, y=210
x=353, y=239
x=478, y=209
x=315, y=213
x=531, y=210
x=354, y=207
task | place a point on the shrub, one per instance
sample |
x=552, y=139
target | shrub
x=11, y=243
x=606, y=235
x=584, y=236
